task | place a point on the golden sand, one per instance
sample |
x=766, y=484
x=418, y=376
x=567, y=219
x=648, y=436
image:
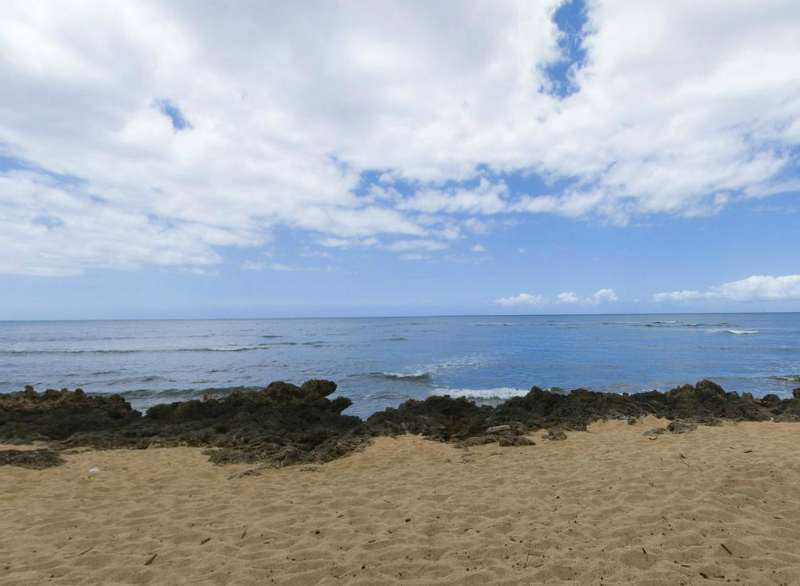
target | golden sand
x=715, y=506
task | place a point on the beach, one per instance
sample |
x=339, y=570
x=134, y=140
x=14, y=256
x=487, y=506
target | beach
x=605, y=506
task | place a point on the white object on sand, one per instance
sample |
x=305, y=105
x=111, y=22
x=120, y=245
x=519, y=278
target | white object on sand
x=95, y=469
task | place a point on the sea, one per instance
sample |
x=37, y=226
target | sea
x=381, y=362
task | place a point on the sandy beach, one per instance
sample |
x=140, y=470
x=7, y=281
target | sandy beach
x=607, y=506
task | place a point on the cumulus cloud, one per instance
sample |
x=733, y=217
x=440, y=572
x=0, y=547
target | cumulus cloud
x=478, y=248
x=567, y=297
x=754, y=288
x=602, y=296
x=521, y=300
x=200, y=127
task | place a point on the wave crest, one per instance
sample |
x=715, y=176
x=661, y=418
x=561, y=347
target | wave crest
x=496, y=394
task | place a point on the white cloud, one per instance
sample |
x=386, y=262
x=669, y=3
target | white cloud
x=423, y=244
x=603, y=296
x=522, y=299
x=567, y=297
x=754, y=288
x=486, y=198
x=478, y=248
x=253, y=265
x=283, y=267
x=285, y=121
x=349, y=242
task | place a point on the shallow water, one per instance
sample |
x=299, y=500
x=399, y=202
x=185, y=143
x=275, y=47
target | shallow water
x=379, y=362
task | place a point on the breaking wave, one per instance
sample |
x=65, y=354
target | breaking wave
x=412, y=377
x=788, y=378
x=497, y=394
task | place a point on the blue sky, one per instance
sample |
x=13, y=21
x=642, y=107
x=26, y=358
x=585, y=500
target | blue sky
x=424, y=158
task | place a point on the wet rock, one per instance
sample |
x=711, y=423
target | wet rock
x=796, y=393
x=633, y=420
x=36, y=459
x=680, y=427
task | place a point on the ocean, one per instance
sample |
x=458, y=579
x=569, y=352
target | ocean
x=380, y=362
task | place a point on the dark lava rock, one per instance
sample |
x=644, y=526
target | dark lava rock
x=447, y=418
x=36, y=459
x=286, y=424
x=57, y=415
x=281, y=424
x=437, y=418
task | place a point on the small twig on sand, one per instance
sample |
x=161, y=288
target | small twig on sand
x=206, y=540
x=527, y=557
x=683, y=459
x=725, y=547
x=644, y=551
x=244, y=533
x=86, y=550
x=151, y=559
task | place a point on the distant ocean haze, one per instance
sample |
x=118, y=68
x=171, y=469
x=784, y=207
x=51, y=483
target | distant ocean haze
x=380, y=362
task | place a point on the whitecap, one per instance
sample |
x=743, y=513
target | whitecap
x=740, y=332
x=497, y=394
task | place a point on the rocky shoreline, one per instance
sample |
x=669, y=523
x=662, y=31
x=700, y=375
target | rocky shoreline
x=285, y=424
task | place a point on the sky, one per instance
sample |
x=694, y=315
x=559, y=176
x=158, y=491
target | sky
x=174, y=159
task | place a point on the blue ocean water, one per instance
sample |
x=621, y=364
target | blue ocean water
x=380, y=362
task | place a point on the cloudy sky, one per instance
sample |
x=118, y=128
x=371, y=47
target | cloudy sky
x=244, y=158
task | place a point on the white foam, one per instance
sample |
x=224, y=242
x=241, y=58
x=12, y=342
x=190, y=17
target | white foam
x=741, y=332
x=500, y=393
x=419, y=375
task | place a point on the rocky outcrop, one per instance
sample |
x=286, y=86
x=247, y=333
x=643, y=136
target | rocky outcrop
x=281, y=424
x=447, y=418
x=27, y=416
x=287, y=424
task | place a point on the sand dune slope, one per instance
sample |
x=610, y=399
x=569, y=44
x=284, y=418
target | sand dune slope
x=715, y=506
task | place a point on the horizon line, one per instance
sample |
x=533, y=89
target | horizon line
x=465, y=315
